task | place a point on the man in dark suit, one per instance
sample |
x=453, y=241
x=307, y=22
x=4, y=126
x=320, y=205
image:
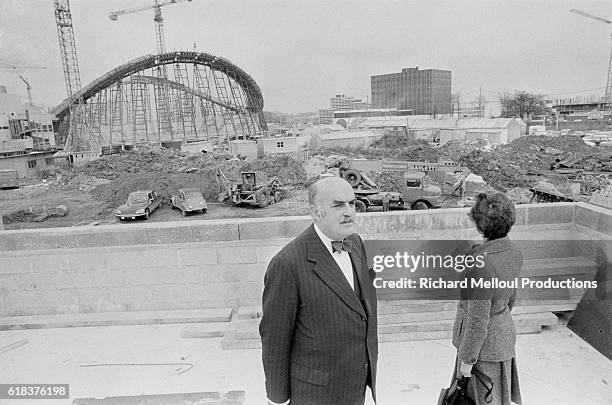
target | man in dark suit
x=318, y=330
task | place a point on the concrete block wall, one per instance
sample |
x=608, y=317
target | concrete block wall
x=592, y=237
x=204, y=264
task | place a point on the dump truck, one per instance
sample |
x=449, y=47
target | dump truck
x=414, y=193
x=255, y=189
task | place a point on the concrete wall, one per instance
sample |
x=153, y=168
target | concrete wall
x=211, y=264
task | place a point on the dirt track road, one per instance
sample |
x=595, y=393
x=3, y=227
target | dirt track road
x=84, y=209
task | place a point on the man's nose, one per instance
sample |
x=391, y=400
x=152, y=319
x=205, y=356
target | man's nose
x=348, y=210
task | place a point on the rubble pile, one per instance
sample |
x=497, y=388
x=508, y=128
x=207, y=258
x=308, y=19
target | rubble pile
x=519, y=163
x=167, y=170
x=591, y=183
x=391, y=147
x=286, y=168
x=36, y=214
x=388, y=181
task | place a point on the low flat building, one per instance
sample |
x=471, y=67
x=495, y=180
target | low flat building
x=493, y=130
x=31, y=164
x=247, y=148
x=277, y=145
x=197, y=147
x=343, y=139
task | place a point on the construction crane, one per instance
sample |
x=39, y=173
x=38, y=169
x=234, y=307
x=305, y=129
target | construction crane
x=159, y=20
x=28, y=89
x=78, y=138
x=608, y=93
x=16, y=68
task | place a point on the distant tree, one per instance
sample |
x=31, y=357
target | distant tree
x=522, y=105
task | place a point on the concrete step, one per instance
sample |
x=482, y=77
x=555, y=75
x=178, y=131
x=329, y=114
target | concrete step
x=443, y=334
x=246, y=336
x=408, y=317
x=403, y=306
x=116, y=318
x=249, y=312
x=207, y=330
x=230, y=342
x=558, y=266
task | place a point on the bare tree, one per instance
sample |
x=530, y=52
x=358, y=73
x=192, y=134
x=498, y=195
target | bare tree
x=522, y=105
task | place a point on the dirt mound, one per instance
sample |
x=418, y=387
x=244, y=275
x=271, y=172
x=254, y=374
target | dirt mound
x=286, y=168
x=522, y=162
x=165, y=171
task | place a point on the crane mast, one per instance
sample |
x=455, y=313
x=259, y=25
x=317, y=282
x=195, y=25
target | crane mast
x=162, y=92
x=157, y=18
x=159, y=29
x=78, y=137
x=608, y=93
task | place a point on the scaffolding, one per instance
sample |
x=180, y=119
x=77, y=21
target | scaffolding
x=180, y=96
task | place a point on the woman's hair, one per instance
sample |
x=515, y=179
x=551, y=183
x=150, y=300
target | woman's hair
x=493, y=214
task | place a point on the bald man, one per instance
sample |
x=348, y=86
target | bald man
x=318, y=330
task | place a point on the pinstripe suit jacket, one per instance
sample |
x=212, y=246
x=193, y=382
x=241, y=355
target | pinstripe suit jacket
x=319, y=343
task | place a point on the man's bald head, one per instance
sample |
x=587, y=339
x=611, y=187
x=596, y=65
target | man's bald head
x=332, y=205
x=320, y=187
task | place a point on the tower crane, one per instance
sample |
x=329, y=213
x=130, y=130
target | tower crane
x=16, y=68
x=159, y=20
x=79, y=135
x=608, y=93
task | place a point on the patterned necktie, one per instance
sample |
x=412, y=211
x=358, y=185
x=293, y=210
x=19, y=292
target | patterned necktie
x=339, y=246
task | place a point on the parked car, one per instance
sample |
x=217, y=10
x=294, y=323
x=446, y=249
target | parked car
x=139, y=204
x=189, y=200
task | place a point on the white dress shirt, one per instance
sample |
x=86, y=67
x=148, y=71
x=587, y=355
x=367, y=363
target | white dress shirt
x=342, y=258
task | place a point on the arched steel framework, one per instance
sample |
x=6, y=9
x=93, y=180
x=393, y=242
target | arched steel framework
x=175, y=96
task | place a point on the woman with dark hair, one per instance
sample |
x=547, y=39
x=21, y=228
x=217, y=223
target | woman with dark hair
x=484, y=332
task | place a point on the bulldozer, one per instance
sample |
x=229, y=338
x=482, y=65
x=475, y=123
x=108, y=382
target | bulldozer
x=255, y=189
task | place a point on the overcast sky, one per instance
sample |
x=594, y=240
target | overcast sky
x=302, y=52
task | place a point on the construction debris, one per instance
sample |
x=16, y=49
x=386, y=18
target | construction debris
x=35, y=214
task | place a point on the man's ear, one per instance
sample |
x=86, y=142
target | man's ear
x=315, y=211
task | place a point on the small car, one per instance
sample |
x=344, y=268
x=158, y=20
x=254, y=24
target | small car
x=189, y=200
x=139, y=203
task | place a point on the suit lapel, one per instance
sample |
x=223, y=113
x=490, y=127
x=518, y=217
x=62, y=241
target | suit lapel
x=358, y=265
x=329, y=272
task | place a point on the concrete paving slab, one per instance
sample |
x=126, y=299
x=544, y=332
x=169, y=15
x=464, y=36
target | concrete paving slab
x=191, y=398
x=555, y=366
x=207, y=330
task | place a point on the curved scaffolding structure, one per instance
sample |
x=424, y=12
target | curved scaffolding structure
x=172, y=97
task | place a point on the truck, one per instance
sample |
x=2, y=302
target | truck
x=414, y=193
x=255, y=189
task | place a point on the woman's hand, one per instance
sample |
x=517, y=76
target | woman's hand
x=466, y=369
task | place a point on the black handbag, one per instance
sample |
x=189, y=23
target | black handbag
x=457, y=394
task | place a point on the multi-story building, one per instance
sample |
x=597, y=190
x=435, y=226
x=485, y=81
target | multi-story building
x=27, y=142
x=426, y=92
x=326, y=115
x=570, y=105
x=341, y=102
x=20, y=121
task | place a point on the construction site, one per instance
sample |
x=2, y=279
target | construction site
x=161, y=305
